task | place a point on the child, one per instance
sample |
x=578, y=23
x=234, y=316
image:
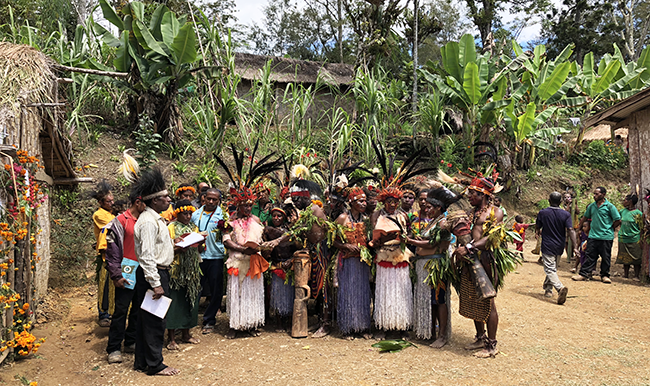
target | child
x=584, y=235
x=520, y=228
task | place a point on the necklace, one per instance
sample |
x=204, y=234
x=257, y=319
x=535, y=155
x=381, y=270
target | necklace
x=354, y=220
x=477, y=214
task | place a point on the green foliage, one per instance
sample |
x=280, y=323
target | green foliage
x=147, y=142
x=599, y=155
x=207, y=172
x=542, y=204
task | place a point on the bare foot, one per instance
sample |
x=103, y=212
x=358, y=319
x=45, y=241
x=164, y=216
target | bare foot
x=168, y=371
x=439, y=343
x=348, y=337
x=231, y=334
x=477, y=344
x=191, y=340
x=172, y=346
x=254, y=332
x=380, y=335
x=487, y=353
x=322, y=332
x=404, y=335
x=280, y=329
x=367, y=335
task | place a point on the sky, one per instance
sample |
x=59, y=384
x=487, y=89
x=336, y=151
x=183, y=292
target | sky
x=250, y=12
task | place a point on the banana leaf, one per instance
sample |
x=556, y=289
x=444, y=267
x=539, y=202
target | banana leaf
x=392, y=345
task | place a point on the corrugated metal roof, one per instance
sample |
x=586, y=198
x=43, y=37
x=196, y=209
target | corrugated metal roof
x=620, y=111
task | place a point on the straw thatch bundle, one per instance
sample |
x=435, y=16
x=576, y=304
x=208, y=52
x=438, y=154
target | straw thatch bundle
x=26, y=76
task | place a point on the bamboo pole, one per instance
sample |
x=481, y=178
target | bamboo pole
x=92, y=72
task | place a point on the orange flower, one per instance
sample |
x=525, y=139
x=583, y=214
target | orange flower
x=26, y=306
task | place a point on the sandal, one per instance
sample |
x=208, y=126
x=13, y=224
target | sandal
x=207, y=329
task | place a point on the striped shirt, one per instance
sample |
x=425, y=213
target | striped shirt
x=153, y=245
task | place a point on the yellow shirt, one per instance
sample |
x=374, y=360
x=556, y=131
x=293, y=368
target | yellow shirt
x=168, y=214
x=100, y=219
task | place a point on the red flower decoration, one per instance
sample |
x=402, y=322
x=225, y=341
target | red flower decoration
x=449, y=165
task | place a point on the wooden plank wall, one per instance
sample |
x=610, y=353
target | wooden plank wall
x=639, y=141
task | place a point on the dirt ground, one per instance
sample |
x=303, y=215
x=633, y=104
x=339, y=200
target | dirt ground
x=599, y=337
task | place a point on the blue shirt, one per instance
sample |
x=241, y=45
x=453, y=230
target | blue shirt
x=214, y=248
x=553, y=221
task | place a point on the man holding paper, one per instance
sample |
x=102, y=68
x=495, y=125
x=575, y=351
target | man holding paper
x=155, y=251
x=121, y=264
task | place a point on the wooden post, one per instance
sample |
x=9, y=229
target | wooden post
x=301, y=272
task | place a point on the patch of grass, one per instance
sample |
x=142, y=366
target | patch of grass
x=541, y=204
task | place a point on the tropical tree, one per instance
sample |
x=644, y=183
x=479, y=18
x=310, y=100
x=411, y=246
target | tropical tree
x=158, y=54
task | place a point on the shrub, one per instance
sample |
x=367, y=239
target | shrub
x=601, y=156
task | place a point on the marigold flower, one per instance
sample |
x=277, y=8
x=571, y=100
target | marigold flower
x=26, y=306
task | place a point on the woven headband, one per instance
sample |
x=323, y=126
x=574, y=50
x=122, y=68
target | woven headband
x=162, y=193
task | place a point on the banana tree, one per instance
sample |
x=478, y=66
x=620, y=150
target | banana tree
x=158, y=54
x=470, y=82
x=610, y=81
x=536, y=86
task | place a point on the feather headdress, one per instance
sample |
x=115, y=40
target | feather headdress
x=129, y=167
x=242, y=181
x=391, y=180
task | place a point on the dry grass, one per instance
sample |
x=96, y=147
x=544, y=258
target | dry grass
x=26, y=77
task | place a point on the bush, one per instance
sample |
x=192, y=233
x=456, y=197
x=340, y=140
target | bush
x=599, y=155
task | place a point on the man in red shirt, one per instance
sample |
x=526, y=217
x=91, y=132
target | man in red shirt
x=121, y=263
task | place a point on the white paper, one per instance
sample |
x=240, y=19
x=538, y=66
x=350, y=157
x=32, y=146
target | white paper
x=158, y=307
x=190, y=239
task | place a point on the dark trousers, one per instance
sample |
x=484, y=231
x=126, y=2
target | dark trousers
x=150, y=331
x=119, y=330
x=212, y=280
x=596, y=248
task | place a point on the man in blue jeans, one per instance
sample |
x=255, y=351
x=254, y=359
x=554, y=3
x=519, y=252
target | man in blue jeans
x=604, y=220
x=207, y=219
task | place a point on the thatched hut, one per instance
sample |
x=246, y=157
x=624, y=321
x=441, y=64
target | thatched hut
x=30, y=120
x=339, y=78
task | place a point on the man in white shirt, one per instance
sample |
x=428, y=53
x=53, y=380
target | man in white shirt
x=155, y=251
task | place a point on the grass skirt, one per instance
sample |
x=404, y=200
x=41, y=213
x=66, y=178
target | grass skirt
x=422, y=313
x=393, y=299
x=281, y=296
x=245, y=303
x=353, y=305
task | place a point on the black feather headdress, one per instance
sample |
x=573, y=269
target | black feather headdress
x=242, y=181
x=392, y=180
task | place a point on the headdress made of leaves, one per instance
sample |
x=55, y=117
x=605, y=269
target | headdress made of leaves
x=242, y=180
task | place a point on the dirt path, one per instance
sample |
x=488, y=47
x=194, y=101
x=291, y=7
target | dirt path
x=599, y=337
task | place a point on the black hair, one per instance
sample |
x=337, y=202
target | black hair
x=499, y=199
x=555, y=198
x=214, y=190
x=102, y=190
x=602, y=190
x=443, y=195
x=519, y=219
x=150, y=182
x=435, y=202
x=371, y=192
x=632, y=198
x=181, y=203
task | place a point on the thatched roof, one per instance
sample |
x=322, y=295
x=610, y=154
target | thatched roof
x=27, y=81
x=27, y=77
x=603, y=133
x=287, y=70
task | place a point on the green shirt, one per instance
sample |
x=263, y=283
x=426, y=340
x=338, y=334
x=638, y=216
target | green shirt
x=264, y=216
x=602, y=220
x=629, y=232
